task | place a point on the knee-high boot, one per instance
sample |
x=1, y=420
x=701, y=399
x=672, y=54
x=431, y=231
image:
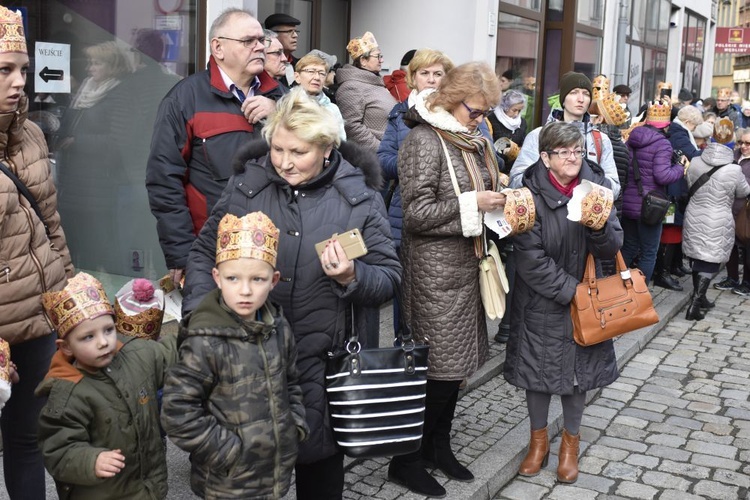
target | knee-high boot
x=436, y=449
x=662, y=277
x=700, y=285
x=704, y=302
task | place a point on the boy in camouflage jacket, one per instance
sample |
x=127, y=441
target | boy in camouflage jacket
x=233, y=401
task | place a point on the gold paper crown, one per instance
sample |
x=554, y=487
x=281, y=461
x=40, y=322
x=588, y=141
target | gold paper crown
x=12, y=38
x=4, y=362
x=724, y=93
x=82, y=298
x=611, y=109
x=600, y=87
x=658, y=113
x=253, y=236
x=724, y=131
x=519, y=210
x=357, y=47
x=138, y=312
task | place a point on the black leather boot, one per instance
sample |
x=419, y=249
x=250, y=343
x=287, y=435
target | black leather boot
x=412, y=475
x=704, y=302
x=700, y=285
x=664, y=280
x=437, y=450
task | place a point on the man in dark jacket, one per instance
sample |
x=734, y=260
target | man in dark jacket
x=724, y=108
x=200, y=124
x=286, y=27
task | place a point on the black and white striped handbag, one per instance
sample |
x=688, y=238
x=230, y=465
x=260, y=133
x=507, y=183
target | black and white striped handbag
x=376, y=397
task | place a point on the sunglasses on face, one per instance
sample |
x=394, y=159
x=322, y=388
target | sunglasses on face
x=743, y=143
x=476, y=113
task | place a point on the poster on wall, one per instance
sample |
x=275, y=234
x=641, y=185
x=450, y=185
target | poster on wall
x=732, y=41
x=52, y=68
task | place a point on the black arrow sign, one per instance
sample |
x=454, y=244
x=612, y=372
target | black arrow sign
x=51, y=74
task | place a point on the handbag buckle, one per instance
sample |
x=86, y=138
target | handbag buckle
x=353, y=347
x=625, y=275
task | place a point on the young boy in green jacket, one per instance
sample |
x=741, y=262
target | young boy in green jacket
x=99, y=431
x=233, y=401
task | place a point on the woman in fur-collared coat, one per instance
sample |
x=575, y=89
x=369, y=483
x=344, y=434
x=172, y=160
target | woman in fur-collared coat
x=311, y=187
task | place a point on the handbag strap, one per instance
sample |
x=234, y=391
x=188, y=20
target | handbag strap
x=702, y=180
x=451, y=170
x=589, y=275
x=637, y=175
x=26, y=194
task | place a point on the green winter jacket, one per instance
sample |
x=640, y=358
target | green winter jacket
x=115, y=408
x=234, y=402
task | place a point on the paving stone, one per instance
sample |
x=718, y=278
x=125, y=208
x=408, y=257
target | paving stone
x=619, y=430
x=592, y=465
x=678, y=495
x=669, y=453
x=713, y=489
x=712, y=438
x=611, y=454
x=602, y=412
x=664, y=480
x=669, y=429
x=623, y=397
x=684, y=469
x=594, y=422
x=715, y=462
x=732, y=478
x=649, y=416
x=634, y=490
x=735, y=394
x=684, y=422
x=623, y=444
x=704, y=407
x=565, y=492
x=666, y=440
x=521, y=490
x=720, y=450
x=647, y=405
x=642, y=461
x=594, y=482
x=618, y=470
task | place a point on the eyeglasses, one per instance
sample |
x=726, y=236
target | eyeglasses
x=286, y=32
x=566, y=154
x=246, y=42
x=312, y=72
x=476, y=113
x=276, y=53
x=379, y=56
x=743, y=143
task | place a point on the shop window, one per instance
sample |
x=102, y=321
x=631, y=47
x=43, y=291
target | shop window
x=587, y=54
x=517, y=47
x=591, y=13
x=121, y=57
x=535, y=5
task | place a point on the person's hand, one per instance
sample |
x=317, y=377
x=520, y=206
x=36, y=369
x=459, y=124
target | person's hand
x=257, y=107
x=109, y=463
x=487, y=201
x=13, y=372
x=336, y=265
x=176, y=276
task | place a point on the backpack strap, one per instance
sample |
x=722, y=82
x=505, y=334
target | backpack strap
x=597, y=144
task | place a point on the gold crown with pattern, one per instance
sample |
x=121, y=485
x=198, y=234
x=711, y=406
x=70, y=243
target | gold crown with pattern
x=613, y=112
x=253, y=236
x=12, y=37
x=600, y=87
x=82, y=298
x=724, y=93
x=139, y=309
x=724, y=131
x=357, y=47
x=658, y=113
x=4, y=363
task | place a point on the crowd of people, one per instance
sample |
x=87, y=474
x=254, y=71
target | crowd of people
x=254, y=164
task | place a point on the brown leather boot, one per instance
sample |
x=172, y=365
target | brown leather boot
x=538, y=453
x=567, y=468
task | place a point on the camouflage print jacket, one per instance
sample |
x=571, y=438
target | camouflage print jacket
x=234, y=402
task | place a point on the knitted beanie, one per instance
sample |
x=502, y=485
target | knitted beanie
x=572, y=80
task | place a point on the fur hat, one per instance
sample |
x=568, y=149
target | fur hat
x=704, y=130
x=328, y=58
x=357, y=47
x=82, y=298
x=12, y=37
x=724, y=131
x=139, y=309
x=252, y=236
x=572, y=80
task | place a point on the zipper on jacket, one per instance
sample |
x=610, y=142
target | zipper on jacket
x=274, y=418
x=34, y=258
x=5, y=271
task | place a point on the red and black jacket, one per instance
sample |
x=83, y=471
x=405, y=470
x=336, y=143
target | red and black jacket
x=198, y=129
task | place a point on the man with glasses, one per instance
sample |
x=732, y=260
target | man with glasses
x=724, y=109
x=286, y=27
x=199, y=126
x=575, y=99
x=276, y=61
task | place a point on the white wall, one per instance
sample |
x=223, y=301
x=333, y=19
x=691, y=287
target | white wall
x=458, y=28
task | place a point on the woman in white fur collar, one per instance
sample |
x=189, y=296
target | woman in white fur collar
x=442, y=242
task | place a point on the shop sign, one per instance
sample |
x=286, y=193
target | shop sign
x=732, y=41
x=52, y=68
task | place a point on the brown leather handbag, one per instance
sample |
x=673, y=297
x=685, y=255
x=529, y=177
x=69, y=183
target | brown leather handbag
x=607, y=307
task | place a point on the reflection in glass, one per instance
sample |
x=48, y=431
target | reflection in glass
x=588, y=49
x=591, y=13
x=517, y=46
x=534, y=5
x=555, y=10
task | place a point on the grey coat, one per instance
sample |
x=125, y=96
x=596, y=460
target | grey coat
x=343, y=196
x=708, y=229
x=550, y=261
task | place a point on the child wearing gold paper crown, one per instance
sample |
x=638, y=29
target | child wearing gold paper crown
x=99, y=431
x=233, y=400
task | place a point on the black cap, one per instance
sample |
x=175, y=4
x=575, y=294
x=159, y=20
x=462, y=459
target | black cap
x=685, y=96
x=408, y=57
x=280, y=20
x=622, y=89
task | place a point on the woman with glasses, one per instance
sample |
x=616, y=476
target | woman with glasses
x=440, y=251
x=310, y=73
x=362, y=97
x=651, y=150
x=542, y=357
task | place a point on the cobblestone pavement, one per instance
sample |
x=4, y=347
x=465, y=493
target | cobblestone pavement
x=674, y=426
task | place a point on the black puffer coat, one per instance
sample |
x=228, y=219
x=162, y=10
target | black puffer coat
x=621, y=154
x=550, y=261
x=318, y=309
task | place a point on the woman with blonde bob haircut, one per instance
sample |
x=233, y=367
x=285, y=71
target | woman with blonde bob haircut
x=441, y=243
x=310, y=73
x=311, y=187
